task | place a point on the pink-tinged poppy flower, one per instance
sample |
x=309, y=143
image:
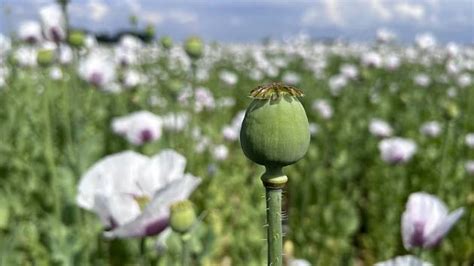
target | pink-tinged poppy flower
x=131, y=193
x=380, y=128
x=397, y=150
x=97, y=69
x=231, y=132
x=54, y=23
x=469, y=167
x=403, y=261
x=431, y=129
x=138, y=127
x=385, y=35
x=426, y=221
x=30, y=31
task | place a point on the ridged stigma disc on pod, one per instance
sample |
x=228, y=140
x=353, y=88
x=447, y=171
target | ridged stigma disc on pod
x=275, y=130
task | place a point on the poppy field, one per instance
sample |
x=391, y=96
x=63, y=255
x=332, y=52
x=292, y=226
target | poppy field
x=130, y=153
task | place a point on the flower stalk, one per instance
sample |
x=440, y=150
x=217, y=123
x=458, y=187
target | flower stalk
x=274, y=181
x=185, y=250
x=275, y=133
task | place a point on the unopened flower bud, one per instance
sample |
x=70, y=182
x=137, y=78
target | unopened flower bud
x=182, y=216
x=45, y=57
x=150, y=31
x=451, y=110
x=194, y=47
x=166, y=42
x=275, y=130
x=76, y=39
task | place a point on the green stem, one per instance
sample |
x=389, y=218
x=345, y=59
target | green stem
x=418, y=255
x=185, y=251
x=143, y=257
x=274, y=180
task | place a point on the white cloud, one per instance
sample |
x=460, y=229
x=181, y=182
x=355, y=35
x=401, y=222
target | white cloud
x=333, y=12
x=153, y=17
x=310, y=16
x=134, y=6
x=181, y=16
x=97, y=9
x=410, y=11
x=380, y=9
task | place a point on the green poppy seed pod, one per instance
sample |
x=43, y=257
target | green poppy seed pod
x=150, y=31
x=194, y=47
x=166, y=42
x=182, y=216
x=275, y=130
x=76, y=39
x=45, y=57
x=451, y=110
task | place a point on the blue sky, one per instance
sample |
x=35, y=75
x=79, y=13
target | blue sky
x=247, y=21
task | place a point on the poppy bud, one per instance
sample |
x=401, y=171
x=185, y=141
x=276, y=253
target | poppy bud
x=194, y=47
x=182, y=216
x=76, y=39
x=45, y=57
x=166, y=42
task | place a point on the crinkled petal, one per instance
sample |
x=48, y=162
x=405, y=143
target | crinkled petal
x=154, y=218
x=113, y=174
x=407, y=260
x=444, y=228
x=163, y=168
x=423, y=212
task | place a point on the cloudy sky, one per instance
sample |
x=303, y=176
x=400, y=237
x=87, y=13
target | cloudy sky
x=247, y=21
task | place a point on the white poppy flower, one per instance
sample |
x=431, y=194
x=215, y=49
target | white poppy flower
x=299, y=262
x=371, y=59
x=323, y=108
x=30, y=31
x=129, y=42
x=220, y=152
x=431, y=129
x=406, y=260
x=380, y=128
x=426, y=221
x=232, y=132
x=132, y=78
x=385, y=35
x=392, y=62
x=349, y=71
x=397, y=150
x=422, y=80
x=97, y=69
x=469, y=140
x=119, y=187
x=229, y=78
x=204, y=99
x=26, y=56
x=425, y=41
x=291, y=78
x=54, y=23
x=55, y=73
x=225, y=102
x=337, y=83
x=469, y=167
x=464, y=80
x=138, y=127
x=313, y=129
x=5, y=44
x=125, y=57
x=175, y=121
x=65, y=54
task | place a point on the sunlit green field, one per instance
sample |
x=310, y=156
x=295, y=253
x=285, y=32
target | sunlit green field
x=343, y=203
